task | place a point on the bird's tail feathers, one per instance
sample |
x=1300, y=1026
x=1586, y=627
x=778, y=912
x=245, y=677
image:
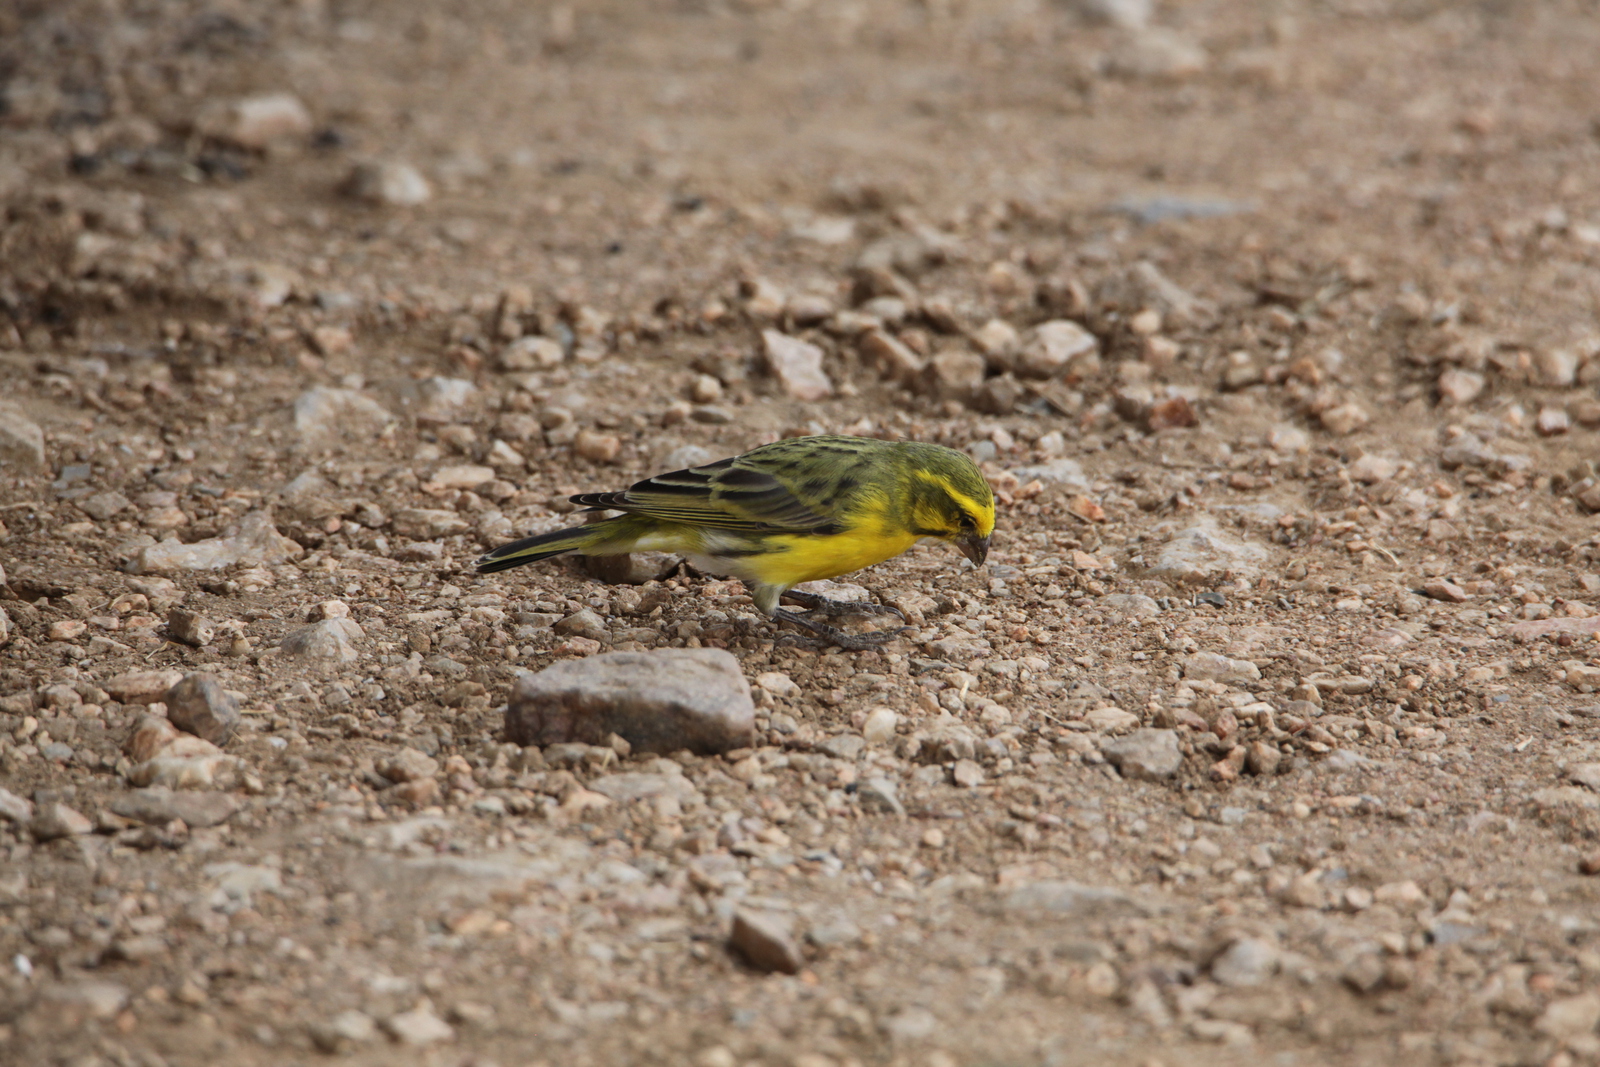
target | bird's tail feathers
x=543, y=546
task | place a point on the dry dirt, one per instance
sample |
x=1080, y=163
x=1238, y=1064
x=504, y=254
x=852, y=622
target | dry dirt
x=1322, y=504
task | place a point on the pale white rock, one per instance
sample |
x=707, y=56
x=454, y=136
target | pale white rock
x=1215, y=667
x=1203, y=548
x=880, y=725
x=532, y=353
x=443, y=396
x=1570, y=1017
x=257, y=541
x=1373, y=468
x=387, y=183
x=1110, y=719
x=1058, y=347
x=1147, y=754
x=1068, y=472
x=1157, y=54
x=1458, y=386
x=418, y=1027
x=1249, y=961
x=461, y=476
x=324, y=410
x=21, y=441
x=797, y=365
x=329, y=639
x=256, y=122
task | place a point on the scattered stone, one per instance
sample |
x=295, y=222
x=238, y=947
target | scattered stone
x=201, y=706
x=190, y=627
x=1263, y=758
x=1059, y=348
x=407, y=765
x=425, y=524
x=634, y=568
x=326, y=411
x=158, y=806
x=55, y=820
x=892, y=356
x=461, y=476
x=89, y=999
x=880, y=794
x=418, y=1027
x=21, y=441
x=797, y=365
x=1450, y=592
x=1215, y=667
x=1110, y=720
x=597, y=447
x=1344, y=419
x=954, y=374
x=338, y=1034
x=1203, y=549
x=532, y=353
x=1157, y=54
x=1552, y=421
x=185, y=763
x=1372, y=468
x=150, y=735
x=142, y=687
x=765, y=940
x=966, y=773
x=1147, y=754
x=256, y=122
x=1570, y=1017
x=879, y=725
x=1131, y=605
x=1249, y=961
x=635, y=785
x=659, y=701
x=257, y=542
x=104, y=505
x=1458, y=386
x=14, y=808
x=330, y=639
x=386, y=183
x=1074, y=899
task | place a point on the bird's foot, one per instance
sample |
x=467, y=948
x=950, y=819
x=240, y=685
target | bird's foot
x=823, y=606
x=835, y=636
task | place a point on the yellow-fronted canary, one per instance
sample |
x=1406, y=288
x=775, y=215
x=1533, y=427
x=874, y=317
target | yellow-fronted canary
x=790, y=512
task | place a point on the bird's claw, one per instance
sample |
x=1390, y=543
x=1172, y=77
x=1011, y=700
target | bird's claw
x=823, y=606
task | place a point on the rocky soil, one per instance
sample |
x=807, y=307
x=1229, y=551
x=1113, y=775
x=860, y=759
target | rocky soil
x=1269, y=731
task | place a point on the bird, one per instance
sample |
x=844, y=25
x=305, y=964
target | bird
x=788, y=512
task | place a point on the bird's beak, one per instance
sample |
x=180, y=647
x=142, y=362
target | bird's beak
x=974, y=548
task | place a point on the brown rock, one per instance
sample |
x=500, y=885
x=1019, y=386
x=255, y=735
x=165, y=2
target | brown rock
x=953, y=374
x=190, y=627
x=142, y=687
x=55, y=820
x=765, y=941
x=150, y=735
x=659, y=701
x=201, y=706
x=1450, y=592
x=797, y=365
x=408, y=765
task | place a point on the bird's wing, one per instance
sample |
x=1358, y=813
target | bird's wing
x=728, y=494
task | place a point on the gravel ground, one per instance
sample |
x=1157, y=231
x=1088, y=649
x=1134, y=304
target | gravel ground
x=1270, y=729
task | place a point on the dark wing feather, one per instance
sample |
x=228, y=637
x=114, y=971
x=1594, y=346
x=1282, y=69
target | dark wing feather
x=731, y=494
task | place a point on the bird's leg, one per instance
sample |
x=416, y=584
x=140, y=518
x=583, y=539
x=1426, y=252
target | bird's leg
x=836, y=636
x=823, y=606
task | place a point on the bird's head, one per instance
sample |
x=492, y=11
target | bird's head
x=952, y=501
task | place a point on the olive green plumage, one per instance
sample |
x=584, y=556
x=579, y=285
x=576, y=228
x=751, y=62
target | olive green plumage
x=789, y=512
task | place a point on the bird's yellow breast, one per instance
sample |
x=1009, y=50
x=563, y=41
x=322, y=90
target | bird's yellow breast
x=806, y=558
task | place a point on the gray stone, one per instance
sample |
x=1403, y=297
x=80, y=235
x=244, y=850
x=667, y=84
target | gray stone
x=1249, y=961
x=880, y=794
x=255, y=122
x=407, y=765
x=325, y=411
x=633, y=568
x=190, y=627
x=257, y=542
x=1068, y=472
x=1073, y=898
x=1215, y=667
x=1585, y=774
x=388, y=184
x=659, y=701
x=1133, y=605
x=196, y=809
x=418, y=1027
x=201, y=706
x=422, y=524
x=104, y=505
x=329, y=639
x=142, y=687
x=1059, y=347
x=86, y=1000
x=765, y=940
x=1147, y=754
x=584, y=623
x=634, y=785
x=342, y=1031
x=14, y=808
x=55, y=820
x=1343, y=761
x=1202, y=549
x=843, y=746
x=797, y=365
x=21, y=441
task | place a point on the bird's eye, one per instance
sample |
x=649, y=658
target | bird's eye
x=967, y=525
